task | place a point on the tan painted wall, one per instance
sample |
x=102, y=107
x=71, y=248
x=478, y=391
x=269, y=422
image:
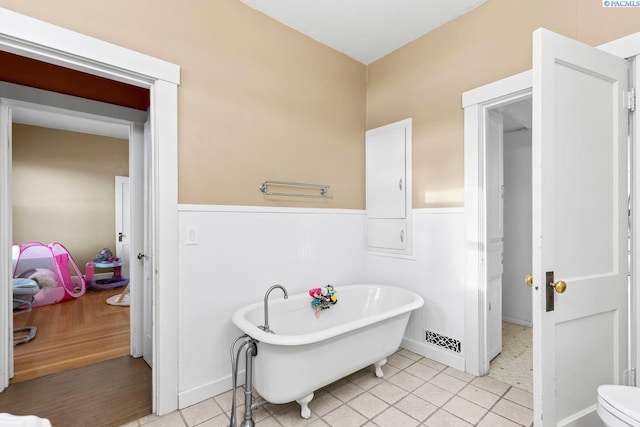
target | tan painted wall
x=260, y=101
x=257, y=100
x=425, y=79
x=64, y=188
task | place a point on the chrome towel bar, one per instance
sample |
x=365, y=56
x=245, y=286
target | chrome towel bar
x=320, y=187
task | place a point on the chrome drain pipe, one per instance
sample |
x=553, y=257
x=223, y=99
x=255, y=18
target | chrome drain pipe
x=258, y=403
x=250, y=346
x=252, y=350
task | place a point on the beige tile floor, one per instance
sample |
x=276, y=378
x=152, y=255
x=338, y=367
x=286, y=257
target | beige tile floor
x=415, y=391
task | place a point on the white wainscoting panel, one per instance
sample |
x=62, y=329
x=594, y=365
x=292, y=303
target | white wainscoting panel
x=229, y=256
x=436, y=272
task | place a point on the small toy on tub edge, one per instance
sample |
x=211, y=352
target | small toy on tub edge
x=323, y=298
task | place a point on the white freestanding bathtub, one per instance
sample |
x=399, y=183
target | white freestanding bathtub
x=306, y=352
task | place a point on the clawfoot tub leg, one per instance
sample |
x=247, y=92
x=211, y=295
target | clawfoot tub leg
x=378, y=365
x=305, y=412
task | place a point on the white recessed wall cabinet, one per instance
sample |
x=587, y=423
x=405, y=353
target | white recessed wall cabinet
x=388, y=182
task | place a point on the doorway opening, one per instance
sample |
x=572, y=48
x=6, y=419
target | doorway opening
x=90, y=332
x=63, y=185
x=92, y=335
x=508, y=185
x=484, y=216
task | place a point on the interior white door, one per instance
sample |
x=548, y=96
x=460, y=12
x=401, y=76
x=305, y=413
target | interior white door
x=123, y=222
x=579, y=227
x=494, y=176
x=6, y=270
x=147, y=290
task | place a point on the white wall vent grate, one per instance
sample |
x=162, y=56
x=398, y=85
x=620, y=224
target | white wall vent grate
x=442, y=341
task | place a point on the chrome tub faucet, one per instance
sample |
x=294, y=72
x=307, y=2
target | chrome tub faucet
x=265, y=327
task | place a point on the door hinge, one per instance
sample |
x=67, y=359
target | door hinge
x=631, y=100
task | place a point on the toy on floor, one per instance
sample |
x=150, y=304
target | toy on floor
x=105, y=259
x=323, y=298
x=52, y=267
x=122, y=299
x=24, y=291
x=105, y=255
x=45, y=278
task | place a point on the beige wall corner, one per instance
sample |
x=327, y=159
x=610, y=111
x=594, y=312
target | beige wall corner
x=260, y=101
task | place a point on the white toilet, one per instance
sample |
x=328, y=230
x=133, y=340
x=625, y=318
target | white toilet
x=619, y=405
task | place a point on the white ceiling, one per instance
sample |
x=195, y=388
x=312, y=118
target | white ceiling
x=517, y=116
x=365, y=30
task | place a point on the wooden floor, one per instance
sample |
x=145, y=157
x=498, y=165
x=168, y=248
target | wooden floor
x=77, y=371
x=109, y=393
x=71, y=334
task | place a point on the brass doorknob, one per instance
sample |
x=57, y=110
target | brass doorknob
x=529, y=280
x=141, y=255
x=560, y=286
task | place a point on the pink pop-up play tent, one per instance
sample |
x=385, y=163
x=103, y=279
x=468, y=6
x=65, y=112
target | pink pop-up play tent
x=52, y=267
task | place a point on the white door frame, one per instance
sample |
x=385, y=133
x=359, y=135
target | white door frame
x=476, y=104
x=39, y=40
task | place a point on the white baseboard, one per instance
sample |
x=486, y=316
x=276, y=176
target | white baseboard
x=97, y=276
x=520, y=322
x=434, y=353
x=208, y=390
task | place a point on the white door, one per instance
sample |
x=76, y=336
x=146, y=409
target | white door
x=6, y=205
x=147, y=291
x=579, y=227
x=140, y=279
x=123, y=222
x=495, y=231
